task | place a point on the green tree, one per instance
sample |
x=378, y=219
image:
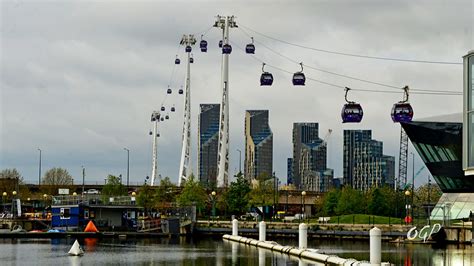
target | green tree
x=330, y=202
x=193, y=193
x=237, y=196
x=165, y=193
x=377, y=203
x=56, y=178
x=145, y=197
x=425, y=196
x=351, y=201
x=114, y=187
x=262, y=191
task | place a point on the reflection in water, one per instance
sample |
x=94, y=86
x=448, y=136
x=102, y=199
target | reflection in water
x=90, y=244
x=208, y=251
x=261, y=257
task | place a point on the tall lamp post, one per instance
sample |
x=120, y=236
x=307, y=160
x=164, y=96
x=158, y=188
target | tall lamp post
x=14, y=209
x=303, y=194
x=4, y=198
x=240, y=160
x=45, y=198
x=39, y=172
x=213, y=199
x=83, y=178
x=408, y=219
x=128, y=165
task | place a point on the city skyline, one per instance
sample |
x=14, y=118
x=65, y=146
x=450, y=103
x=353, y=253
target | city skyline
x=86, y=91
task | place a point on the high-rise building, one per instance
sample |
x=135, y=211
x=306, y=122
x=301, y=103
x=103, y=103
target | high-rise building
x=208, y=143
x=364, y=164
x=309, y=169
x=289, y=171
x=258, y=145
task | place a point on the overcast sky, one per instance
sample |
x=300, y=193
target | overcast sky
x=79, y=79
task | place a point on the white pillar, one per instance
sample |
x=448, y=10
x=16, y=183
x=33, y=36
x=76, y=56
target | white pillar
x=235, y=227
x=262, y=231
x=303, y=236
x=375, y=246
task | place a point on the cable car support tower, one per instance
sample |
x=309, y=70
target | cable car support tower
x=188, y=41
x=155, y=118
x=224, y=23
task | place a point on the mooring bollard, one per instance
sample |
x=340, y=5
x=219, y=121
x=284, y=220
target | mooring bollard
x=262, y=231
x=303, y=236
x=375, y=246
x=235, y=227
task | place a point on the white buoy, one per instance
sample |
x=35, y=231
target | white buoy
x=375, y=246
x=235, y=227
x=76, y=249
x=303, y=236
x=262, y=231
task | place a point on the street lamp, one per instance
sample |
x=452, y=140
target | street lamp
x=45, y=197
x=213, y=199
x=39, y=172
x=128, y=165
x=83, y=178
x=303, y=194
x=407, y=207
x=240, y=160
x=4, y=198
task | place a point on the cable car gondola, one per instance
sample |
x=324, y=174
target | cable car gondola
x=151, y=133
x=250, y=48
x=266, y=79
x=298, y=77
x=177, y=61
x=402, y=111
x=167, y=117
x=169, y=90
x=158, y=135
x=191, y=59
x=351, y=112
x=173, y=109
x=226, y=49
x=162, y=108
x=203, y=45
x=220, y=44
x=188, y=49
x=162, y=119
x=180, y=91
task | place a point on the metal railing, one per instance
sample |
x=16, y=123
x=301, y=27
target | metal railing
x=92, y=200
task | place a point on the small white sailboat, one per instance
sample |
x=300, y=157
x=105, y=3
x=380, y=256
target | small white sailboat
x=76, y=249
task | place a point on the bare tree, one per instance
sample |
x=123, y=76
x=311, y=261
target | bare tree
x=56, y=178
x=11, y=180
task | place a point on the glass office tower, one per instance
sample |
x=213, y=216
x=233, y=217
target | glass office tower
x=208, y=143
x=258, y=145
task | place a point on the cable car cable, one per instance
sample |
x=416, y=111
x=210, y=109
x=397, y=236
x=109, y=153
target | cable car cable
x=346, y=76
x=343, y=87
x=352, y=54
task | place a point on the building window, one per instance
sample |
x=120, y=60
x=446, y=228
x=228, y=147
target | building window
x=65, y=213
